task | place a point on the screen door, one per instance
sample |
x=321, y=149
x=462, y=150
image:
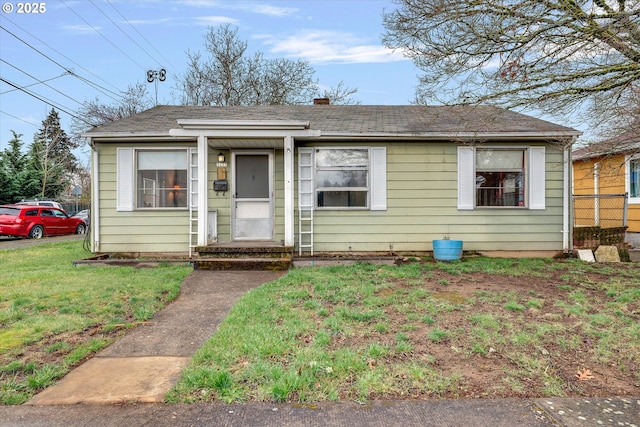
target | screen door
x=253, y=218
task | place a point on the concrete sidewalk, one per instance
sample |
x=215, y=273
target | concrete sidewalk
x=125, y=384
x=405, y=413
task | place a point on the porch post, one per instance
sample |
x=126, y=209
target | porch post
x=288, y=191
x=203, y=208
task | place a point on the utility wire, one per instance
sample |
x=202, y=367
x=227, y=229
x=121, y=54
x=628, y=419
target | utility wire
x=34, y=84
x=95, y=85
x=140, y=34
x=68, y=70
x=123, y=32
x=38, y=81
x=45, y=100
x=102, y=35
x=18, y=118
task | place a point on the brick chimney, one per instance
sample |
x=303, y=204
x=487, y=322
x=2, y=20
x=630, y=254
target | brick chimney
x=321, y=101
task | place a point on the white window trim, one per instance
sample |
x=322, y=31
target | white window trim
x=627, y=178
x=376, y=179
x=535, y=177
x=126, y=177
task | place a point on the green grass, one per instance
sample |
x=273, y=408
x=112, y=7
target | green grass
x=366, y=331
x=54, y=315
x=357, y=333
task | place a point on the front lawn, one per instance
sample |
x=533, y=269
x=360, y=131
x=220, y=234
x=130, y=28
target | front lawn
x=54, y=315
x=476, y=328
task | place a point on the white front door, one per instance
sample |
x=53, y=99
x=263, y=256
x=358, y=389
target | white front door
x=253, y=196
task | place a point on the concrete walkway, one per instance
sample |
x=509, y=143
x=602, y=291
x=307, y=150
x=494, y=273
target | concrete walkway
x=125, y=384
x=144, y=364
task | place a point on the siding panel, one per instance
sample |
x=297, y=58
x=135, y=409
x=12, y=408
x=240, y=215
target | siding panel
x=422, y=206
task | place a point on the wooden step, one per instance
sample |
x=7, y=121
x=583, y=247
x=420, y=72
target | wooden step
x=242, y=264
x=244, y=250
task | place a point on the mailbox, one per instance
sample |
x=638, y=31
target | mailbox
x=221, y=185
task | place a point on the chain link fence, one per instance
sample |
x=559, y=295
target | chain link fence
x=600, y=219
x=600, y=210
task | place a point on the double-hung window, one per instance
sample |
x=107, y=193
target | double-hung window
x=509, y=177
x=161, y=178
x=342, y=178
x=151, y=179
x=500, y=177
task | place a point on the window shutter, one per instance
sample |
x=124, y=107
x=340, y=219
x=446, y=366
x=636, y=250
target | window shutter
x=466, y=178
x=124, y=179
x=378, y=179
x=537, y=182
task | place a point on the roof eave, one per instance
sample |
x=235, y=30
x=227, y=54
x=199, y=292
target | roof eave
x=204, y=124
x=181, y=134
x=457, y=136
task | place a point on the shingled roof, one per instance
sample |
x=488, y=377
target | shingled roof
x=348, y=120
x=628, y=142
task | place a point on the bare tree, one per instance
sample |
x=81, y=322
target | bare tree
x=340, y=94
x=134, y=99
x=554, y=55
x=230, y=76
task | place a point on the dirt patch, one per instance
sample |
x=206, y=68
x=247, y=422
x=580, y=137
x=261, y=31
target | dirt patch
x=510, y=336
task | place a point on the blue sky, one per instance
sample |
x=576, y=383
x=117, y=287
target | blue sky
x=112, y=43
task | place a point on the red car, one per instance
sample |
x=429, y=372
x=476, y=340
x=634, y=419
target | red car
x=36, y=222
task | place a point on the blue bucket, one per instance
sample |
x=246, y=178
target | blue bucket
x=447, y=250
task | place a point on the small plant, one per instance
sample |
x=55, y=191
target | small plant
x=381, y=327
x=535, y=303
x=428, y=320
x=222, y=381
x=377, y=350
x=437, y=335
x=514, y=306
x=479, y=349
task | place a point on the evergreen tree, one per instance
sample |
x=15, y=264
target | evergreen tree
x=51, y=160
x=12, y=171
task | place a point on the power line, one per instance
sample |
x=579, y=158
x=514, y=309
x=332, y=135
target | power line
x=140, y=34
x=101, y=35
x=18, y=118
x=70, y=60
x=38, y=81
x=34, y=84
x=68, y=70
x=45, y=100
x=123, y=32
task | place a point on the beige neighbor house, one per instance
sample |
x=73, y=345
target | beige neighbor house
x=330, y=179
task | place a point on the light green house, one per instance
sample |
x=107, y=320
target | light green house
x=331, y=179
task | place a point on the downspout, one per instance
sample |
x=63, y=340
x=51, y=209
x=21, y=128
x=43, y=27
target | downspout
x=95, y=199
x=567, y=228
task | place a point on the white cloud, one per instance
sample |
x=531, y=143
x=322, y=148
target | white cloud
x=213, y=20
x=246, y=6
x=321, y=46
x=158, y=21
x=265, y=9
x=81, y=29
